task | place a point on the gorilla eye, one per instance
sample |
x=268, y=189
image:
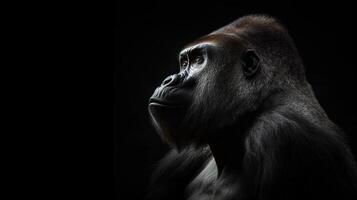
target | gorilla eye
x=199, y=59
x=250, y=63
x=184, y=63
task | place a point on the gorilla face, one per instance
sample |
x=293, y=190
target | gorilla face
x=215, y=84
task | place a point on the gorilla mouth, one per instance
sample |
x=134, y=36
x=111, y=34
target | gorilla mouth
x=163, y=102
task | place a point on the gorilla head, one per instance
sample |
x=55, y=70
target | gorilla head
x=223, y=78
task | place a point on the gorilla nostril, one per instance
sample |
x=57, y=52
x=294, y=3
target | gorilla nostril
x=171, y=80
x=167, y=81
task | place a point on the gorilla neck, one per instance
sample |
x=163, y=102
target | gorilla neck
x=228, y=146
x=227, y=154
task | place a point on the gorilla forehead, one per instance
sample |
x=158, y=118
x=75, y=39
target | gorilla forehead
x=244, y=30
x=213, y=40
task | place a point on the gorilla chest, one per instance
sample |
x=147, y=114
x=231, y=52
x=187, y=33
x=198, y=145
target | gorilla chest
x=207, y=185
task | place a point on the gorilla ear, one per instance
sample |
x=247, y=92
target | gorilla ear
x=251, y=63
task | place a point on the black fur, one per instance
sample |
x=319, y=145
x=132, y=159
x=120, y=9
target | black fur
x=258, y=135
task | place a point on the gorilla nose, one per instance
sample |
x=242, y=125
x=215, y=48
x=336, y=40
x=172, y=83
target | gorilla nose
x=171, y=80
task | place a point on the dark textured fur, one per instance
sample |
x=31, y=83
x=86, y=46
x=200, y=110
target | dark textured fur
x=262, y=139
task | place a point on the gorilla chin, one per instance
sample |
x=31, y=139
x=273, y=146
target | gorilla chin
x=167, y=119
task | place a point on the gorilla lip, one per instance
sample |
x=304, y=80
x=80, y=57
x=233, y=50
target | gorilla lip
x=161, y=102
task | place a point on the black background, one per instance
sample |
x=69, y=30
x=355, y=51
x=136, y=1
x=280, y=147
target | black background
x=149, y=34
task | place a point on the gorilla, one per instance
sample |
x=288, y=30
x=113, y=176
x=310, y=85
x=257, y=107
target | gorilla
x=243, y=122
